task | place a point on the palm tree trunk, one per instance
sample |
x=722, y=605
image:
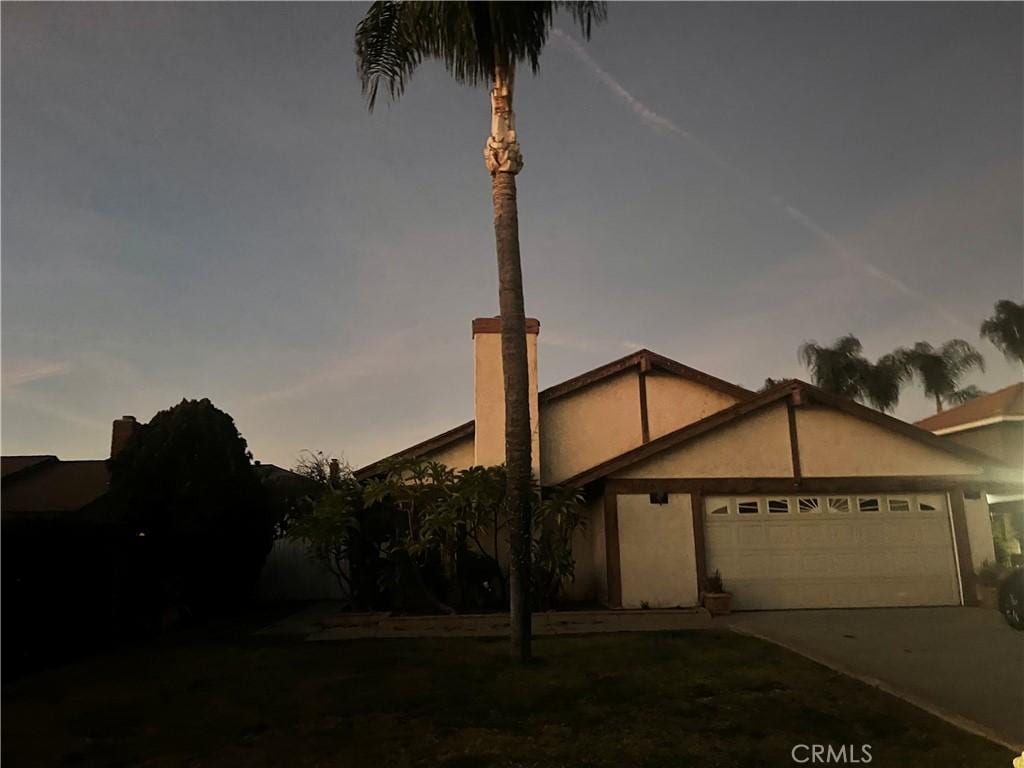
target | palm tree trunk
x=938, y=404
x=504, y=162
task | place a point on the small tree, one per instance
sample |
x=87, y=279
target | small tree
x=185, y=482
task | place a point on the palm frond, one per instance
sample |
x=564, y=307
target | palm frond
x=961, y=396
x=385, y=52
x=471, y=39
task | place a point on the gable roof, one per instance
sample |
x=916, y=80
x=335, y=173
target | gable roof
x=799, y=392
x=1007, y=404
x=55, y=487
x=642, y=359
x=12, y=466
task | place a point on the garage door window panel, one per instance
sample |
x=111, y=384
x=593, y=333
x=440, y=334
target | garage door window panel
x=748, y=507
x=869, y=504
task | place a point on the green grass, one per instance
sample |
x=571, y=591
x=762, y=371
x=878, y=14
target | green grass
x=666, y=699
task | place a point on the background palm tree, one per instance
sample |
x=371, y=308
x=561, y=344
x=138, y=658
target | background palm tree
x=940, y=370
x=838, y=369
x=482, y=43
x=843, y=370
x=882, y=381
x=1005, y=329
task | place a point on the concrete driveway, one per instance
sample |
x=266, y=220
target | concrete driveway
x=963, y=664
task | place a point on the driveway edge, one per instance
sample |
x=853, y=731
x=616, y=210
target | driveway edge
x=959, y=721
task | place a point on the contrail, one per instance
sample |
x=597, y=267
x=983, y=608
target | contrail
x=662, y=124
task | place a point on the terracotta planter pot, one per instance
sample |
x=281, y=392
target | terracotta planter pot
x=988, y=597
x=718, y=603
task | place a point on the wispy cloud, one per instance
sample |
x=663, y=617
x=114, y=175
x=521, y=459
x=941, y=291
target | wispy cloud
x=46, y=408
x=381, y=357
x=19, y=372
x=664, y=125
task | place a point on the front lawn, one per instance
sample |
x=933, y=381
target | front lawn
x=667, y=699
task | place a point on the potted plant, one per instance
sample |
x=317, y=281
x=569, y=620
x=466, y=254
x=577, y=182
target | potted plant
x=717, y=601
x=987, y=586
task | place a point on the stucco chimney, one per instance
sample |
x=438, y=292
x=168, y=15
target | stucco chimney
x=489, y=391
x=124, y=429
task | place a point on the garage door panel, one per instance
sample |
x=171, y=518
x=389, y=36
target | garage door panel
x=837, y=555
x=782, y=536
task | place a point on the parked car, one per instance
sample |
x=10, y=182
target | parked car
x=1011, y=598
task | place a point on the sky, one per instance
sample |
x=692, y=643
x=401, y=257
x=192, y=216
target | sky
x=197, y=203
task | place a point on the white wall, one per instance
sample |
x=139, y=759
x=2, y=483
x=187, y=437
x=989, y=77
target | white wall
x=979, y=531
x=657, y=554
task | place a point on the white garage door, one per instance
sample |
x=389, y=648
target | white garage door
x=832, y=551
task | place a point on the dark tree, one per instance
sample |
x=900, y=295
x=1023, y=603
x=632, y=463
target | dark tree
x=186, y=484
x=1005, y=329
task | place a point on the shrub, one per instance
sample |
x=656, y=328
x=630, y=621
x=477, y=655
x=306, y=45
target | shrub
x=186, y=486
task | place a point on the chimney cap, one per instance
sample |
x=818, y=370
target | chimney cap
x=493, y=325
x=127, y=418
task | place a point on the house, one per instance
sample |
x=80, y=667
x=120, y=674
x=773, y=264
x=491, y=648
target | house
x=800, y=499
x=994, y=425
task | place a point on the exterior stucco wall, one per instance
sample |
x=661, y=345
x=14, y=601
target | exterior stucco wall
x=835, y=444
x=590, y=584
x=754, y=446
x=591, y=425
x=674, y=402
x=657, y=552
x=1004, y=441
x=455, y=456
x=979, y=531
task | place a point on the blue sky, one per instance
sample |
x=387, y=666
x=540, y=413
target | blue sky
x=197, y=203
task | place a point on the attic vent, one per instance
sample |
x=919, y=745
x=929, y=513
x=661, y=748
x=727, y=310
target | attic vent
x=659, y=498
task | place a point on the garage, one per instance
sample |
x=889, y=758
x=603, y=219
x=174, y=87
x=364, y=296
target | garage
x=832, y=551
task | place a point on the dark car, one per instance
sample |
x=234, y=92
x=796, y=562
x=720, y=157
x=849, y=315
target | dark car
x=1011, y=599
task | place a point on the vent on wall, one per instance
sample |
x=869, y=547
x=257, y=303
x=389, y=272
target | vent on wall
x=659, y=498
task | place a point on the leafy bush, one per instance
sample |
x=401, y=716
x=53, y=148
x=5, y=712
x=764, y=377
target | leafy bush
x=186, y=485
x=441, y=532
x=348, y=537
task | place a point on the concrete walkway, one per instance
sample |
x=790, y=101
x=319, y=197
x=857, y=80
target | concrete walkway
x=963, y=664
x=325, y=622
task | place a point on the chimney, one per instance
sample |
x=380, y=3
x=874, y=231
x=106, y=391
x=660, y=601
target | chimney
x=334, y=473
x=124, y=429
x=489, y=391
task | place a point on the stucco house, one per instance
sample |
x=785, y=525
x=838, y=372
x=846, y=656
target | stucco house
x=799, y=498
x=994, y=425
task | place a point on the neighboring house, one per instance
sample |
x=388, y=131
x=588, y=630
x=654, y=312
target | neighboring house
x=799, y=498
x=46, y=488
x=994, y=425
x=56, y=519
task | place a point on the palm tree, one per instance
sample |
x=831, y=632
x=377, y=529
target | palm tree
x=482, y=43
x=838, y=369
x=940, y=370
x=1005, y=329
x=843, y=370
x=882, y=381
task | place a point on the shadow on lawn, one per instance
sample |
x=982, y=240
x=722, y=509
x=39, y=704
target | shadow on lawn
x=673, y=699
